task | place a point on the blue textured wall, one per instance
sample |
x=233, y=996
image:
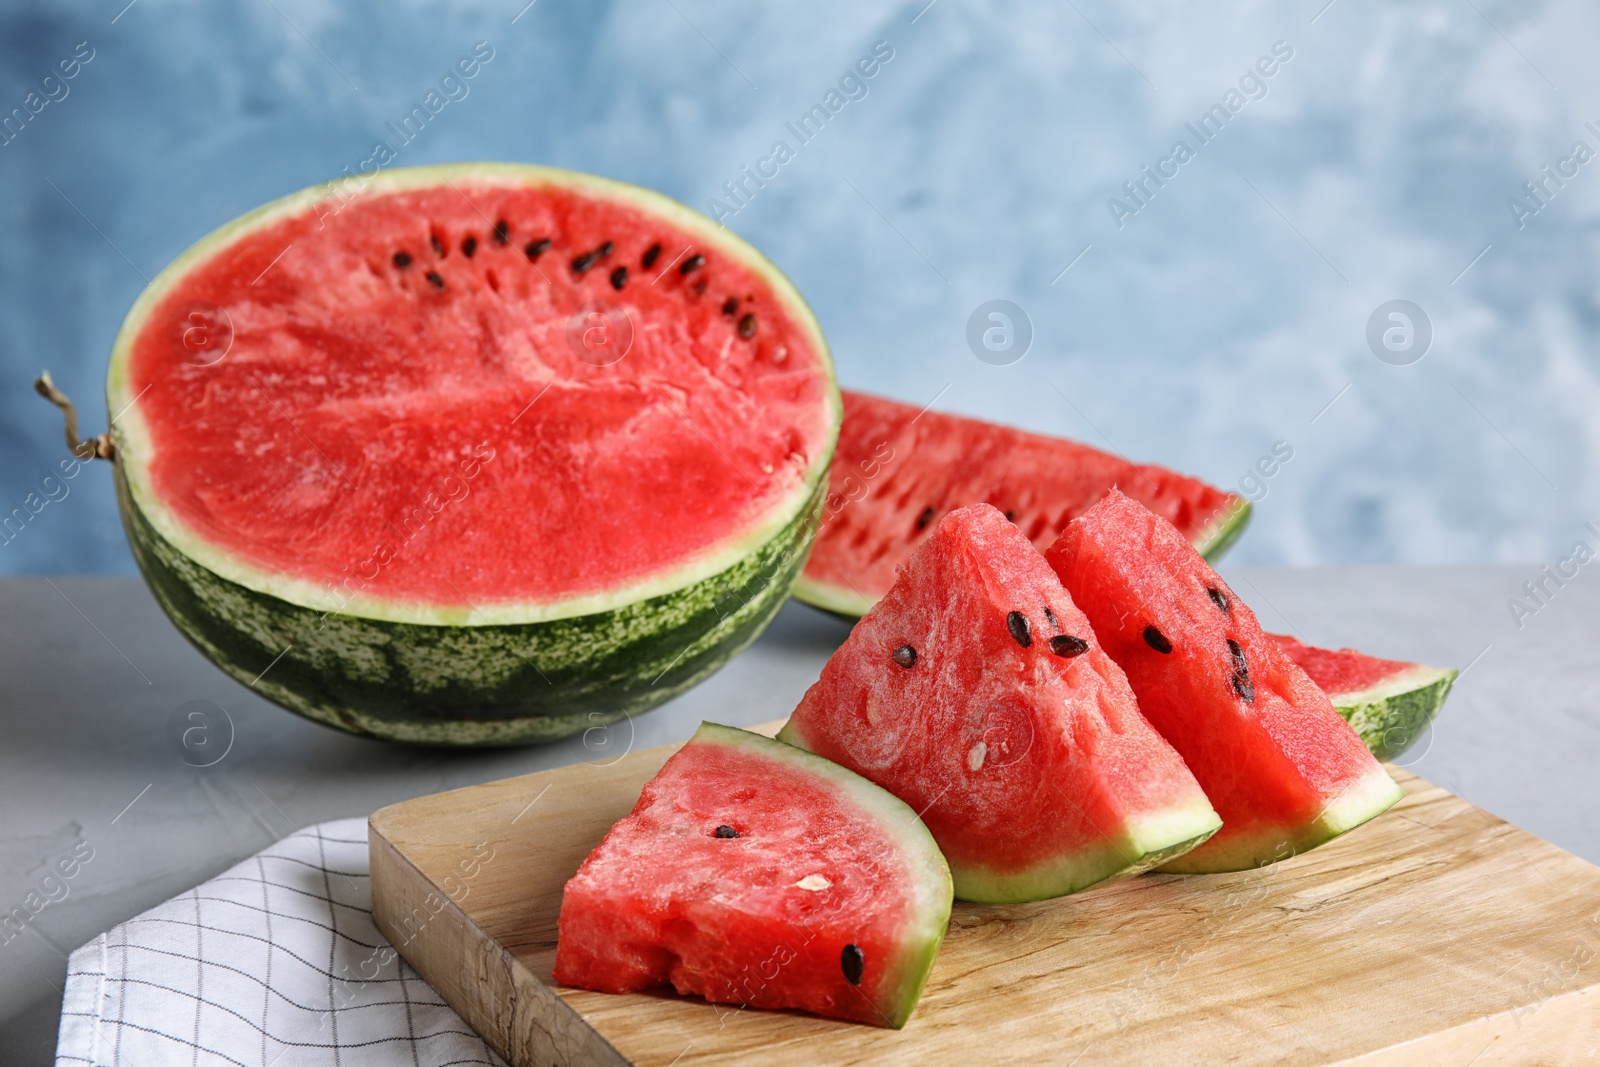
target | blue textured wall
x=1209, y=318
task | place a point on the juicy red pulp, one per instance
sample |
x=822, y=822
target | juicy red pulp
x=407, y=402
x=899, y=469
x=1340, y=671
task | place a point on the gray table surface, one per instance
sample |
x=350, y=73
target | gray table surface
x=92, y=674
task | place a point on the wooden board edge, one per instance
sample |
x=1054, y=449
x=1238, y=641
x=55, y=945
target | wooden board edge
x=436, y=937
x=1560, y=1029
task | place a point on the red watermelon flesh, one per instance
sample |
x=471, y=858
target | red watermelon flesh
x=1284, y=771
x=753, y=873
x=899, y=468
x=426, y=368
x=1345, y=672
x=978, y=693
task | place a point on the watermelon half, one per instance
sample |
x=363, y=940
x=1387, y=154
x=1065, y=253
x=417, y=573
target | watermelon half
x=978, y=693
x=475, y=454
x=1284, y=771
x=753, y=873
x=899, y=468
x=1389, y=703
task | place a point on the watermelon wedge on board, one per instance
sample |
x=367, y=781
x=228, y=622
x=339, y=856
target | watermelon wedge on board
x=753, y=873
x=475, y=454
x=1284, y=771
x=978, y=693
x=1389, y=703
x=899, y=468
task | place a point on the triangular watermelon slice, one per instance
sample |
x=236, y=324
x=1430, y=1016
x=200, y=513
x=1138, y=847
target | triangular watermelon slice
x=753, y=873
x=977, y=693
x=899, y=468
x=1388, y=702
x=1282, y=768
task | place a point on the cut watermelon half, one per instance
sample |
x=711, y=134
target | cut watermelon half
x=471, y=454
x=978, y=693
x=1388, y=703
x=753, y=873
x=899, y=468
x=1284, y=771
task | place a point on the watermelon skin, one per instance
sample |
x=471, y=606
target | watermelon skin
x=1284, y=771
x=473, y=671
x=898, y=468
x=1035, y=772
x=1389, y=703
x=664, y=901
x=469, y=686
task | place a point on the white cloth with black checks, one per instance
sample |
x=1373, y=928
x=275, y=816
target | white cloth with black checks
x=274, y=961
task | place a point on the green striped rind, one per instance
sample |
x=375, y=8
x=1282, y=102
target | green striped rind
x=1217, y=538
x=1368, y=797
x=1140, y=846
x=927, y=873
x=503, y=684
x=850, y=604
x=1391, y=716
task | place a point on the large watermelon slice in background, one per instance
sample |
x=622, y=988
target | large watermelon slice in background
x=473, y=454
x=977, y=693
x=899, y=468
x=753, y=873
x=1284, y=771
x=1389, y=703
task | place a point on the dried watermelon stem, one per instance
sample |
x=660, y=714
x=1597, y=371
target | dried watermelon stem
x=84, y=448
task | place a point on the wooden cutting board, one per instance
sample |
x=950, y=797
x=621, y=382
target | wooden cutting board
x=1436, y=934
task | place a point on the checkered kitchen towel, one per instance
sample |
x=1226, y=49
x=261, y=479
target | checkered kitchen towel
x=273, y=962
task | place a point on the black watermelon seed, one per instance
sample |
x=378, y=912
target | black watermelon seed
x=692, y=264
x=583, y=262
x=619, y=277
x=536, y=248
x=1051, y=616
x=730, y=305
x=1157, y=640
x=1066, y=646
x=853, y=963
x=605, y=250
x=502, y=232
x=905, y=656
x=700, y=287
x=651, y=254
x=747, y=326
x=469, y=246
x=1021, y=629
x=1218, y=597
x=1011, y=516
x=1241, y=673
x=726, y=831
x=433, y=276
x=438, y=246
x=402, y=259
x=925, y=518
